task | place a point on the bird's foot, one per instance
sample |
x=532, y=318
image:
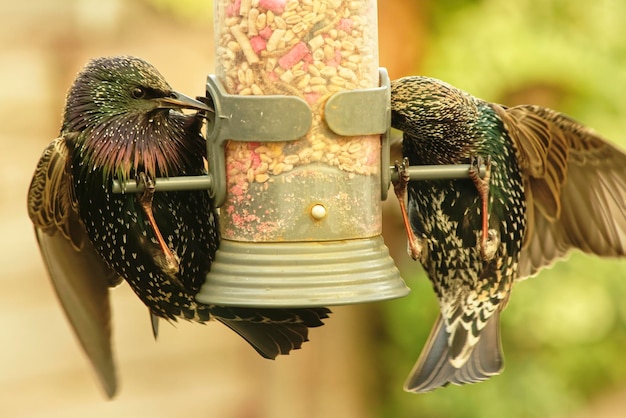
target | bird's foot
x=489, y=246
x=414, y=248
x=166, y=259
x=487, y=249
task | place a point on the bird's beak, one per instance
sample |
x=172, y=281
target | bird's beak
x=180, y=101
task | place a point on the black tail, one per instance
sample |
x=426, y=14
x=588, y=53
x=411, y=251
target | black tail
x=274, y=331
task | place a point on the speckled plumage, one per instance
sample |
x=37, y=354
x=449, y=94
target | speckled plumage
x=121, y=120
x=554, y=186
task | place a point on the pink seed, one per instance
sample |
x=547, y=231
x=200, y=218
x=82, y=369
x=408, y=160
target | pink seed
x=298, y=52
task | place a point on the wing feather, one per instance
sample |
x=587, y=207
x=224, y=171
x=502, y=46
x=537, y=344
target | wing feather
x=575, y=184
x=80, y=277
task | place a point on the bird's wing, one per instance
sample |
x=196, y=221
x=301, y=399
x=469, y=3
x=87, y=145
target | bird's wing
x=575, y=184
x=80, y=277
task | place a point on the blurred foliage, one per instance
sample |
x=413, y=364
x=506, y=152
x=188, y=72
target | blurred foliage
x=564, y=332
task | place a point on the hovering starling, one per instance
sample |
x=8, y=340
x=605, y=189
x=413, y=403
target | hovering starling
x=122, y=121
x=552, y=185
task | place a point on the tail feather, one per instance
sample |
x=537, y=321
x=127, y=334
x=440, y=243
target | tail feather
x=270, y=340
x=433, y=368
x=279, y=331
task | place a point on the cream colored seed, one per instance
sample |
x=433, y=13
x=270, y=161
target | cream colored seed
x=247, y=91
x=262, y=168
x=352, y=66
x=317, y=155
x=261, y=21
x=328, y=71
x=261, y=149
x=265, y=158
x=293, y=19
x=241, y=76
x=287, y=167
x=309, y=17
x=256, y=90
x=305, y=154
x=347, y=45
x=291, y=5
x=314, y=71
x=333, y=88
x=338, y=81
x=244, y=7
x=299, y=27
x=334, y=148
x=253, y=15
x=329, y=52
x=276, y=36
x=291, y=159
x=316, y=42
x=270, y=17
x=250, y=175
x=289, y=35
x=318, y=145
x=347, y=73
x=278, y=168
x=233, y=46
x=345, y=159
x=354, y=147
x=261, y=178
x=318, y=80
x=280, y=22
x=304, y=81
x=231, y=21
x=318, y=55
x=249, y=77
x=271, y=64
x=319, y=89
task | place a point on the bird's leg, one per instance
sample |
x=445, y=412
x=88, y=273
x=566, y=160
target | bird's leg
x=399, y=187
x=487, y=238
x=169, y=261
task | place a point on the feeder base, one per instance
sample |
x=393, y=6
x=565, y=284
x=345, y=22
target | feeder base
x=302, y=274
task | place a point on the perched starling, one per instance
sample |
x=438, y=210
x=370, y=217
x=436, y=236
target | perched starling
x=122, y=121
x=552, y=185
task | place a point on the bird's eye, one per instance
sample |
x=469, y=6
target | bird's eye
x=138, y=93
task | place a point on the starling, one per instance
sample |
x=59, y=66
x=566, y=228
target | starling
x=551, y=185
x=123, y=121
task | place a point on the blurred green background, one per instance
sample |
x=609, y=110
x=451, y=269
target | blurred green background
x=564, y=331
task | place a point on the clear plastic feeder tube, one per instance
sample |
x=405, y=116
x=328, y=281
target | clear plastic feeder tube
x=322, y=187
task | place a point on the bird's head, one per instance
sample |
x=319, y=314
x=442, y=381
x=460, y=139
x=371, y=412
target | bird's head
x=437, y=119
x=120, y=86
x=119, y=114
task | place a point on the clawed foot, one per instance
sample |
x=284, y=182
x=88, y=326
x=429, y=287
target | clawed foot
x=166, y=259
x=488, y=238
x=400, y=187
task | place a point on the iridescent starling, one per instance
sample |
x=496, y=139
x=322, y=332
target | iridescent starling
x=552, y=185
x=122, y=121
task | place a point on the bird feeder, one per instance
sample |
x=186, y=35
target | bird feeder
x=296, y=157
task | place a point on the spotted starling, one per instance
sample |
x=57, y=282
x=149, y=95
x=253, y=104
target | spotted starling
x=551, y=185
x=123, y=121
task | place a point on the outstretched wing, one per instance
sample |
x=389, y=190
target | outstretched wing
x=80, y=277
x=575, y=186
